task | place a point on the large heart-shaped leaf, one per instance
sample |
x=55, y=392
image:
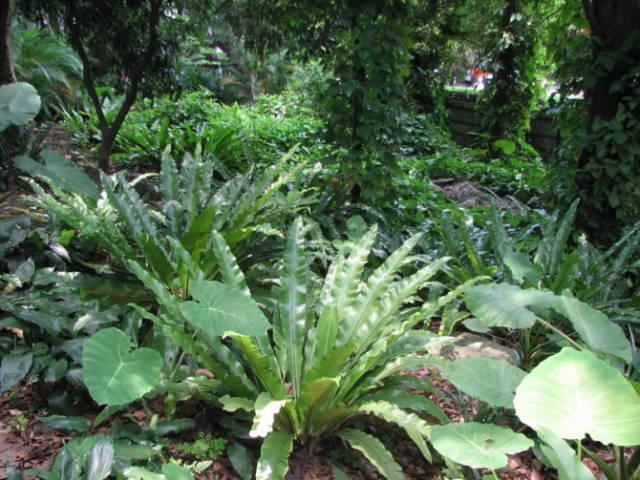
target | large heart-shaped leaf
x=478, y=445
x=220, y=308
x=574, y=393
x=60, y=171
x=490, y=380
x=594, y=328
x=115, y=376
x=19, y=103
x=504, y=305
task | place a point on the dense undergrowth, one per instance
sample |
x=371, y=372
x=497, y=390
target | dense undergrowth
x=231, y=266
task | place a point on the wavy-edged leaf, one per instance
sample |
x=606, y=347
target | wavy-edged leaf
x=260, y=366
x=376, y=286
x=292, y=310
x=113, y=374
x=478, y=445
x=266, y=409
x=407, y=401
x=274, y=456
x=227, y=263
x=322, y=339
x=574, y=393
x=379, y=318
x=343, y=293
x=374, y=451
x=233, y=404
x=417, y=429
x=314, y=394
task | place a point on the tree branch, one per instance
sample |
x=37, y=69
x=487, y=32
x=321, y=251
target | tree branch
x=71, y=20
x=136, y=76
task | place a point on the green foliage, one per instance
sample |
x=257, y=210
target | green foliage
x=205, y=447
x=574, y=393
x=477, y=445
x=113, y=374
x=336, y=350
x=504, y=305
x=19, y=103
x=510, y=96
x=44, y=60
x=237, y=136
x=165, y=238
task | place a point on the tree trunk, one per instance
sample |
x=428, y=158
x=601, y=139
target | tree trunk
x=104, y=153
x=7, y=74
x=505, y=74
x=613, y=24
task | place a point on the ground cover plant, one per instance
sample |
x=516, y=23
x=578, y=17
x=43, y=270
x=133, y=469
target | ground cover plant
x=247, y=240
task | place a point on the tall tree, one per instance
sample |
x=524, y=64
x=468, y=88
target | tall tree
x=7, y=74
x=608, y=166
x=509, y=99
x=80, y=22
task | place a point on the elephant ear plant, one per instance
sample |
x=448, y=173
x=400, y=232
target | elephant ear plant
x=332, y=356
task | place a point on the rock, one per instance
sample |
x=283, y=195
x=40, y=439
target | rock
x=471, y=345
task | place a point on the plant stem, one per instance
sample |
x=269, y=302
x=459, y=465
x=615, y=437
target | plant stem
x=620, y=461
x=560, y=332
x=579, y=454
x=495, y=475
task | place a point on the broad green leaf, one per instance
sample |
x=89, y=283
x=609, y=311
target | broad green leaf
x=139, y=473
x=595, y=328
x=478, y=445
x=128, y=451
x=274, y=456
x=14, y=368
x=574, y=393
x=507, y=146
x=173, y=471
x=375, y=451
x=241, y=460
x=61, y=172
x=490, y=380
x=266, y=409
x=504, y=305
x=56, y=370
x=314, y=394
x=69, y=424
x=521, y=268
x=221, y=308
x=19, y=103
x=408, y=401
x=232, y=404
x=100, y=460
x=115, y=376
x=227, y=263
x=260, y=366
x=292, y=309
x=563, y=458
x=416, y=428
